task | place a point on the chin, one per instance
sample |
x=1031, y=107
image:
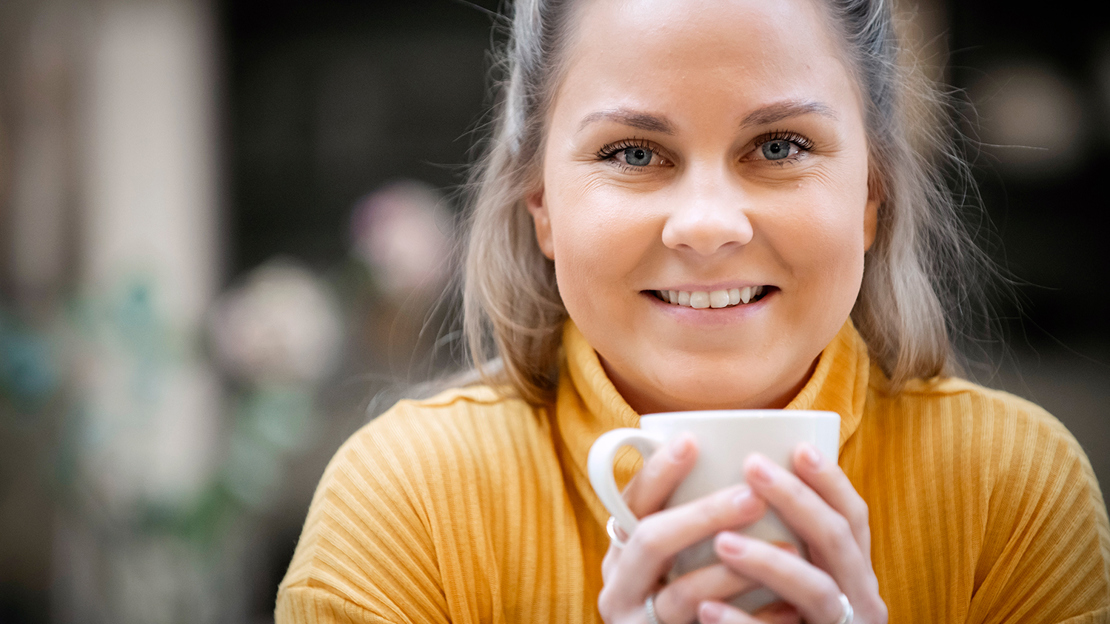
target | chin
x=691, y=393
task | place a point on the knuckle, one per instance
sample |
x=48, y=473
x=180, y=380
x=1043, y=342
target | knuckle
x=682, y=597
x=861, y=516
x=839, y=532
x=607, y=564
x=717, y=511
x=796, y=489
x=605, y=605
x=881, y=615
x=648, y=538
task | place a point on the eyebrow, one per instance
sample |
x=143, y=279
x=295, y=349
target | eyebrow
x=783, y=110
x=769, y=114
x=635, y=119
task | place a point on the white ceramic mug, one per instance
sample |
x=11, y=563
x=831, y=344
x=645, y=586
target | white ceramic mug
x=725, y=439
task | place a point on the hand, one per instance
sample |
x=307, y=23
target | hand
x=825, y=511
x=636, y=571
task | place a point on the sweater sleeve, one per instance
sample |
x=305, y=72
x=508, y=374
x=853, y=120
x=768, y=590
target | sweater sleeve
x=1047, y=555
x=366, y=552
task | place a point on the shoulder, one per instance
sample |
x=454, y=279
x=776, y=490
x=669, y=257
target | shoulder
x=475, y=425
x=995, y=475
x=1005, y=451
x=409, y=486
x=1001, y=449
x=453, y=418
x=994, y=416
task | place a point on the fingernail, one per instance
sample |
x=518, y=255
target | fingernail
x=680, y=448
x=760, y=470
x=810, y=455
x=730, y=544
x=710, y=612
x=742, y=498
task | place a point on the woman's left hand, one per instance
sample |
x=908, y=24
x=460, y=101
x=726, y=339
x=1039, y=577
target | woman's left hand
x=823, y=509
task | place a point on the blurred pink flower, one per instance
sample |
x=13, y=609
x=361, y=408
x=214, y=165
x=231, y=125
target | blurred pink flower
x=398, y=231
x=281, y=325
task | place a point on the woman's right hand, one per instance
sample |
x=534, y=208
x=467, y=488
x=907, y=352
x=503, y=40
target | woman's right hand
x=637, y=570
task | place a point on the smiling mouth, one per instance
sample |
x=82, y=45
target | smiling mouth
x=701, y=299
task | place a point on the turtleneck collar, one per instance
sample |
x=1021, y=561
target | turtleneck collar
x=587, y=404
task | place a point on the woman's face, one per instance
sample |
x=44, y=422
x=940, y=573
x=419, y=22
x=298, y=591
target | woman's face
x=704, y=147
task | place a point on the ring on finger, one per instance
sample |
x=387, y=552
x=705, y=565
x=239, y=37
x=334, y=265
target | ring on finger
x=615, y=531
x=849, y=612
x=649, y=609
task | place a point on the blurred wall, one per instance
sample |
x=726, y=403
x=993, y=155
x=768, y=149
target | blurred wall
x=1038, y=124
x=111, y=262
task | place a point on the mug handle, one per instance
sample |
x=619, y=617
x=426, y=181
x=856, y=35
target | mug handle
x=600, y=468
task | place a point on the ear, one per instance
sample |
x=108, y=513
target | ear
x=871, y=211
x=537, y=207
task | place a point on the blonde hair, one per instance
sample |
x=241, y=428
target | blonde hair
x=922, y=274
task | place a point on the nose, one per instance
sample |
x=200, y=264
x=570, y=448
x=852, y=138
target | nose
x=709, y=218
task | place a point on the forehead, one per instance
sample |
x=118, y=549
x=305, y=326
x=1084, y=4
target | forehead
x=742, y=53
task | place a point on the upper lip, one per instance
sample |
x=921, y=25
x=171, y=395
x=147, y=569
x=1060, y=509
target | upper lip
x=721, y=286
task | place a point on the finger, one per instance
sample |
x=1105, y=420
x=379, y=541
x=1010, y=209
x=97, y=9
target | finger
x=712, y=612
x=832, y=545
x=779, y=613
x=609, y=562
x=811, y=590
x=829, y=481
x=660, y=536
x=679, y=600
x=651, y=487
x=720, y=613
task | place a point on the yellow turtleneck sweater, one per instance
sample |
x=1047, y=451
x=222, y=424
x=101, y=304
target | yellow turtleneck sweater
x=470, y=507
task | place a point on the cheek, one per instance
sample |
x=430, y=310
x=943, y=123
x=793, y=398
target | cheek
x=597, y=228
x=825, y=231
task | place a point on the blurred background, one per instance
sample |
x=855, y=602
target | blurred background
x=225, y=224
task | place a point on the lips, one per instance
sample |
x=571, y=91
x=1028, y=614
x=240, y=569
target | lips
x=701, y=299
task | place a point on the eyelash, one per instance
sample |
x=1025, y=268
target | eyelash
x=785, y=135
x=612, y=149
x=801, y=142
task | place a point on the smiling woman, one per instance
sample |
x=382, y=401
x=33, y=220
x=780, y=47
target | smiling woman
x=719, y=162
x=709, y=204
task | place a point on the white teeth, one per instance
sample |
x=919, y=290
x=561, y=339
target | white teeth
x=701, y=299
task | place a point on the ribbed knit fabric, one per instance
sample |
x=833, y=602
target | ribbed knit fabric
x=470, y=507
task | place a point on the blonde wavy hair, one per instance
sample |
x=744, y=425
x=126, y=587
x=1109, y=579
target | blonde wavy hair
x=923, y=276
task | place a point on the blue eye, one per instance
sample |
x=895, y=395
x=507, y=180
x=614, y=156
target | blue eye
x=776, y=150
x=637, y=156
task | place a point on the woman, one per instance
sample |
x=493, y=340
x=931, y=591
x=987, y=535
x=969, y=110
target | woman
x=696, y=205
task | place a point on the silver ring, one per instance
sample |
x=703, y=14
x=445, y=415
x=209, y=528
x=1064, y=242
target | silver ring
x=649, y=608
x=849, y=613
x=611, y=528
